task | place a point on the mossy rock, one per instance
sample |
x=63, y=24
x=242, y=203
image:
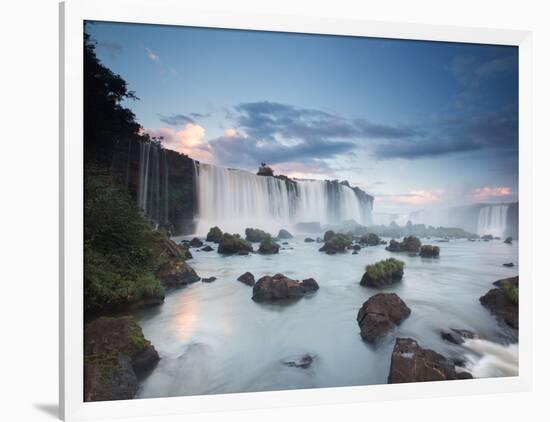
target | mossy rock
x=268, y=246
x=336, y=243
x=233, y=244
x=429, y=251
x=411, y=244
x=383, y=273
x=255, y=235
x=214, y=235
x=370, y=239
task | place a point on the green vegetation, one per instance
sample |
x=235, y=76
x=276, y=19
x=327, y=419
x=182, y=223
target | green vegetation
x=383, y=272
x=121, y=251
x=256, y=235
x=429, y=251
x=511, y=291
x=232, y=243
x=214, y=235
x=409, y=244
x=338, y=242
x=268, y=246
x=370, y=239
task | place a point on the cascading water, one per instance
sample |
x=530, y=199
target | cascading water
x=152, y=195
x=492, y=220
x=236, y=199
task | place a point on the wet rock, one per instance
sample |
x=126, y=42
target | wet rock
x=232, y=244
x=176, y=273
x=429, y=251
x=304, y=362
x=336, y=243
x=370, y=239
x=487, y=237
x=247, y=278
x=383, y=273
x=284, y=234
x=464, y=375
x=412, y=363
x=508, y=240
x=268, y=246
x=207, y=248
x=209, y=279
x=457, y=336
x=309, y=240
x=256, y=235
x=196, y=243
x=285, y=243
x=214, y=235
x=380, y=314
x=508, y=264
x=329, y=234
x=116, y=356
x=355, y=253
x=409, y=244
x=503, y=301
x=278, y=287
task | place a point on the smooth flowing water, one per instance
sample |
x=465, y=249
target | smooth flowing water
x=212, y=338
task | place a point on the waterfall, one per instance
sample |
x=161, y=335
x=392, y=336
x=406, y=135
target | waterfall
x=236, y=199
x=492, y=220
x=152, y=197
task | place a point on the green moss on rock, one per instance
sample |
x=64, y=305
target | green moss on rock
x=383, y=273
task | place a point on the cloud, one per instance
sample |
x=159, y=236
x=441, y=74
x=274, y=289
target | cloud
x=488, y=193
x=414, y=197
x=189, y=140
x=176, y=119
x=152, y=55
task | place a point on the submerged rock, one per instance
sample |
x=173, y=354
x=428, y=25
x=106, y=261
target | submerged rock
x=457, y=336
x=277, y=287
x=214, y=235
x=209, y=279
x=383, y=273
x=247, y=278
x=116, y=355
x=508, y=264
x=196, y=242
x=232, y=244
x=309, y=240
x=284, y=234
x=304, y=362
x=503, y=301
x=380, y=314
x=412, y=363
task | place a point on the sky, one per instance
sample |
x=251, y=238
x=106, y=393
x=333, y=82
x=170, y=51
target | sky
x=417, y=124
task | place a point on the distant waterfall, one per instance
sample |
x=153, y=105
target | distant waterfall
x=492, y=220
x=236, y=199
x=152, y=195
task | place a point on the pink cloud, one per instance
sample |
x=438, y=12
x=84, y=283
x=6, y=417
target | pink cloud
x=303, y=170
x=189, y=141
x=152, y=55
x=487, y=192
x=414, y=197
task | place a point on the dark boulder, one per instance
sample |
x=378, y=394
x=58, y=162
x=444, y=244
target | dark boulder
x=355, y=253
x=247, y=278
x=380, y=314
x=412, y=363
x=207, y=248
x=329, y=234
x=232, y=244
x=503, y=301
x=370, y=239
x=508, y=264
x=116, y=356
x=196, y=243
x=309, y=240
x=256, y=235
x=304, y=362
x=268, y=246
x=487, y=237
x=209, y=279
x=284, y=234
x=278, y=287
x=508, y=240
x=176, y=273
x=214, y=235
x=457, y=336
x=383, y=273
x=429, y=251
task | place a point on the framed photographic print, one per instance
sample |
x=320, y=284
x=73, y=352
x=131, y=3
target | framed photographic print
x=270, y=210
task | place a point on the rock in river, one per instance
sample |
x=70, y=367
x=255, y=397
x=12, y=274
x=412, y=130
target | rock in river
x=381, y=313
x=195, y=242
x=116, y=355
x=412, y=363
x=233, y=244
x=383, y=273
x=284, y=234
x=277, y=287
x=247, y=278
x=207, y=248
x=503, y=301
x=209, y=279
x=176, y=273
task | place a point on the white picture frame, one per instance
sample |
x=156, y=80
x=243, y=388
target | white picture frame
x=72, y=15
